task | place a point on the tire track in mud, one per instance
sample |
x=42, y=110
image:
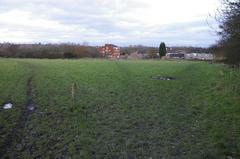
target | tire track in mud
x=15, y=137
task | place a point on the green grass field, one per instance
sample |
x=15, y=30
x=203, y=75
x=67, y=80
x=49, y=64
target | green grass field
x=114, y=109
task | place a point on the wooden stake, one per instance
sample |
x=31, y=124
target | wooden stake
x=73, y=92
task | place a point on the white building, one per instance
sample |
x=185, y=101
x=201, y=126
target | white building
x=199, y=56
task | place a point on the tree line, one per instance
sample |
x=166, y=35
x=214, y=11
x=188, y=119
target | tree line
x=51, y=51
x=228, y=47
x=55, y=51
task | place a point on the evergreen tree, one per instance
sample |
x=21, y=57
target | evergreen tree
x=162, y=49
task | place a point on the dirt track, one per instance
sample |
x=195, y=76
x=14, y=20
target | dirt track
x=14, y=139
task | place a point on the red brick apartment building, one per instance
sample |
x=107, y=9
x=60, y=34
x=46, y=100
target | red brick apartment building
x=109, y=51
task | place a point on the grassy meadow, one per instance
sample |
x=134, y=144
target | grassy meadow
x=114, y=109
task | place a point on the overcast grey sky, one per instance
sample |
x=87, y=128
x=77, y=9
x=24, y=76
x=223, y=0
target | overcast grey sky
x=122, y=22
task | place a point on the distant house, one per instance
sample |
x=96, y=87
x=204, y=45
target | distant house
x=175, y=55
x=135, y=56
x=199, y=56
x=190, y=56
x=109, y=51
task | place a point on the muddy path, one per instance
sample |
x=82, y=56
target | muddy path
x=14, y=139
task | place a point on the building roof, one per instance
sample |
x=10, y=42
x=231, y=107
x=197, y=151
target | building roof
x=110, y=45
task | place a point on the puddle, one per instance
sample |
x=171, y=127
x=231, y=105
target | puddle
x=30, y=107
x=163, y=78
x=8, y=106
